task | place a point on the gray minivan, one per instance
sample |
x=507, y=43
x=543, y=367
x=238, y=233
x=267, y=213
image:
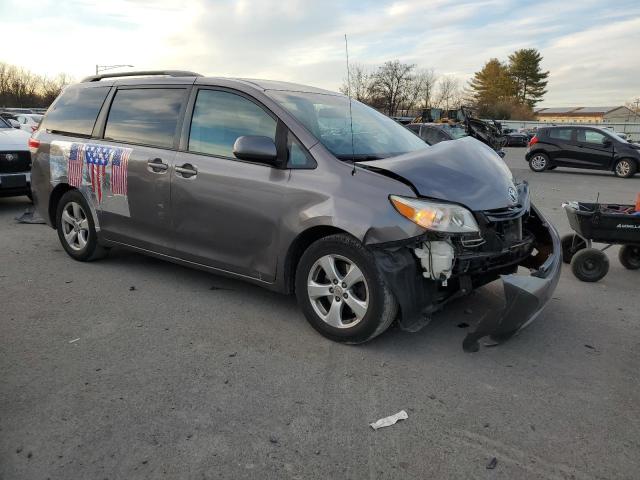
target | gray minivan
x=296, y=189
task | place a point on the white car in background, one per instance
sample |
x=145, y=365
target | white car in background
x=15, y=161
x=29, y=121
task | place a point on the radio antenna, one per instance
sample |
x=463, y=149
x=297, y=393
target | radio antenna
x=353, y=149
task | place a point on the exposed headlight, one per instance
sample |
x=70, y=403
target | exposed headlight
x=439, y=217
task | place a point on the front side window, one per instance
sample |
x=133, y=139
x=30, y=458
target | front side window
x=363, y=133
x=220, y=117
x=148, y=116
x=591, y=136
x=76, y=110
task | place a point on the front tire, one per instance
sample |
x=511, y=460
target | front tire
x=539, y=162
x=625, y=168
x=341, y=291
x=76, y=230
x=590, y=265
x=629, y=256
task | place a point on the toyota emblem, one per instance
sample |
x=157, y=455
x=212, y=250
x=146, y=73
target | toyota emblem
x=513, y=195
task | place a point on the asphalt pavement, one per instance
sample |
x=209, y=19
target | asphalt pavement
x=134, y=368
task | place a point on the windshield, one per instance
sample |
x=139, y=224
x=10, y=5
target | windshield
x=456, y=131
x=327, y=118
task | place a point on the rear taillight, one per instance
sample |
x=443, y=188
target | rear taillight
x=33, y=145
x=533, y=141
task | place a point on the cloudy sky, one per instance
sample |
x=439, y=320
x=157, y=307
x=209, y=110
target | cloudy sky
x=591, y=48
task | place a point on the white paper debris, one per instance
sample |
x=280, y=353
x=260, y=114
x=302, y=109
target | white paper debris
x=391, y=420
x=74, y=340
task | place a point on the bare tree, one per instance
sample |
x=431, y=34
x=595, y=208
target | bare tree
x=425, y=86
x=449, y=94
x=360, y=83
x=392, y=84
x=22, y=88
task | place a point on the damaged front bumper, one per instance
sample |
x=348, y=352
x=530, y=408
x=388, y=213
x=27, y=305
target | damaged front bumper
x=537, y=248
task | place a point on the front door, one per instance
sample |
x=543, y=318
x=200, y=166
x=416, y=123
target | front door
x=592, y=149
x=226, y=212
x=138, y=150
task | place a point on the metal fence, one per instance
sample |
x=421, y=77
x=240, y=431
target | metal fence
x=631, y=129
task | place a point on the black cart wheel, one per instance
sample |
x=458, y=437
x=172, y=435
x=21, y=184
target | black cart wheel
x=590, y=265
x=629, y=256
x=571, y=244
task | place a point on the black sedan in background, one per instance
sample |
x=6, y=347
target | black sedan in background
x=433, y=133
x=582, y=147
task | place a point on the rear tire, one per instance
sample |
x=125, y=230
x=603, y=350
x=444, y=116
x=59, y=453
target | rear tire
x=571, y=244
x=590, y=265
x=625, y=168
x=335, y=274
x=629, y=257
x=76, y=230
x=539, y=162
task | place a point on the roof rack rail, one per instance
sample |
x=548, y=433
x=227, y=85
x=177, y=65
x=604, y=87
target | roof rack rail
x=170, y=73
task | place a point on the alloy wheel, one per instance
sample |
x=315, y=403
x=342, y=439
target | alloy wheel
x=623, y=168
x=338, y=291
x=538, y=162
x=75, y=226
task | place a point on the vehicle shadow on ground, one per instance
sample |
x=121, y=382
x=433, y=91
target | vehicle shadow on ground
x=446, y=329
x=588, y=173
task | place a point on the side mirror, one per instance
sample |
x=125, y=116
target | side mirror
x=606, y=142
x=13, y=123
x=255, y=148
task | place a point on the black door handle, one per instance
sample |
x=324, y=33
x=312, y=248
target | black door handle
x=157, y=166
x=187, y=170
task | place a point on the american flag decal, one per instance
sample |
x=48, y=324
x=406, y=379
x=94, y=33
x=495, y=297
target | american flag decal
x=119, y=163
x=97, y=158
x=75, y=164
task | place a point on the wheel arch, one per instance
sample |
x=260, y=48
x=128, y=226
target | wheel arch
x=298, y=247
x=54, y=199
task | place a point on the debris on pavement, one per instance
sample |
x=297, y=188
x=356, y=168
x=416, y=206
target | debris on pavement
x=30, y=215
x=492, y=463
x=132, y=288
x=391, y=420
x=74, y=340
x=463, y=325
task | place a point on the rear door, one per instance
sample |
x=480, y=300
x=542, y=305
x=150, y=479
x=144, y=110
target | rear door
x=591, y=149
x=140, y=140
x=226, y=212
x=559, y=145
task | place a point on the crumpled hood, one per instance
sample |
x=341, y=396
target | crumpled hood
x=463, y=171
x=14, y=139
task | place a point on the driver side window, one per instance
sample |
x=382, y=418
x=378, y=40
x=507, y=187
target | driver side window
x=220, y=117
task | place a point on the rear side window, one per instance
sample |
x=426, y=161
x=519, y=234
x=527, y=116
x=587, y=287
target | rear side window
x=560, y=133
x=76, y=110
x=219, y=118
x=148, y=116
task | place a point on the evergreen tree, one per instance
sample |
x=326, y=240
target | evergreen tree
x=529, y=79
x=491, y=86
